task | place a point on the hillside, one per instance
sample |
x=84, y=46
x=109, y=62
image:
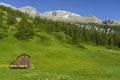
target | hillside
x=53, y=59
x=58, y=50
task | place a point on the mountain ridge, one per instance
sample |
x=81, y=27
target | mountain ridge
x=63, y=15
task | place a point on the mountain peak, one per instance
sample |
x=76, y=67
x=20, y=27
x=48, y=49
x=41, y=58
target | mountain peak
x=61, y=14
x=29, y=10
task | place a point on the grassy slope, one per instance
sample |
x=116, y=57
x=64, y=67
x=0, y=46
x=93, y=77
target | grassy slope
x=55, y=59
x=58, y=58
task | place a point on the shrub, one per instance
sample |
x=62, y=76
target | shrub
x=60, y=35
x=81, y=46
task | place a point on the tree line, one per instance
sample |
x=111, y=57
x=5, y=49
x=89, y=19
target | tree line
x=77, y=34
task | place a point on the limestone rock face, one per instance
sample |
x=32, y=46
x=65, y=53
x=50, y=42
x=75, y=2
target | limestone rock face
x=29, y=10
x=70, y=17
x=92, y=19
x=62, y=14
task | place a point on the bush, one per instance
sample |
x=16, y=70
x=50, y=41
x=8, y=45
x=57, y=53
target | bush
x=1, y=36
x=60, y=35
x=81, y=46
x=108, y=47
x=11, y=20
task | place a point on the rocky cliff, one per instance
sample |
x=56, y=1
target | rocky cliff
x=29, y=10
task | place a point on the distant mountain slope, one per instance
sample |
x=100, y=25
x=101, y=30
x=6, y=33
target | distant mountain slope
x=58, y=15
x=92, y=19
x=62, y=15
x=70, y=17
x=111, y=22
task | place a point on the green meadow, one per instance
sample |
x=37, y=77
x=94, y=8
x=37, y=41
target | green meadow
x=52, y=59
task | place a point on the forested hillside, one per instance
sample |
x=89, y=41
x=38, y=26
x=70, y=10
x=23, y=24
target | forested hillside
x=25, y=28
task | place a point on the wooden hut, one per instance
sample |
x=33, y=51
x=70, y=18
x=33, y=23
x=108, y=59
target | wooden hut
x=22, y=61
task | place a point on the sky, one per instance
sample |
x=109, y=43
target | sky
x=103, y=9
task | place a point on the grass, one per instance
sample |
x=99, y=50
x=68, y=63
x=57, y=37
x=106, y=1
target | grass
x=52, y=59
x=55, y=60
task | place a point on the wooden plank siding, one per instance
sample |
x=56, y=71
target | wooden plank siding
x=22, y=61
